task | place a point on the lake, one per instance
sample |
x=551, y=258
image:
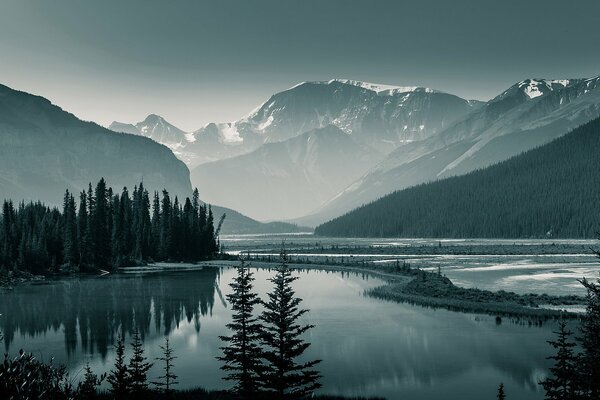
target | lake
x=369, y=347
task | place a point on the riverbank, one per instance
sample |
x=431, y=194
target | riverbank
x=431, y=289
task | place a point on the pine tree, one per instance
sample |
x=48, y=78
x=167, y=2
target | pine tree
x=82, y=229
x=138, y=367
x=119, y=378
x=242, y=354
x=166, y=233
x=87, y=388
x=281, y=336
x=169, y=378
x=101, y=228
x=563, y=384
x=501, y=395
x=589, y=362
x=70, y=242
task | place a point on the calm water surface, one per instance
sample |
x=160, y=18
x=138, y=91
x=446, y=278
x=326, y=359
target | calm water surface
x=368, y=346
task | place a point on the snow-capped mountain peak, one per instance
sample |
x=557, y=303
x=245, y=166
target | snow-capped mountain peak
x=533, y=88
x=378, y=88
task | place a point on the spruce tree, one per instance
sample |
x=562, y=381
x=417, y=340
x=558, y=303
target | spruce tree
x=70, y=242
x=119, y=378
x=169, y=378
x=563, y=383
x=241, y=353
x=589, y=362
x=501, y=395
x=138, y=367
x=283, y=375
x=87, y=388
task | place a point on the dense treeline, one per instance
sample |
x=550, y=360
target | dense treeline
x=548, y=191
x=103, y=229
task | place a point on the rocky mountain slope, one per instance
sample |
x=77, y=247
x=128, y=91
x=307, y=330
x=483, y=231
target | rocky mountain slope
x=528, y=114
x=45, y=150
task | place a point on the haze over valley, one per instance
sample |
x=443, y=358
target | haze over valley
x=294, y=200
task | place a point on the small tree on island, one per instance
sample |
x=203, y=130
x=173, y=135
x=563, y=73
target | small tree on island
x=242, y=354
x=281, y=335
x=169, y=378
x=138, y=367
x=501, y=395
x=563, y=383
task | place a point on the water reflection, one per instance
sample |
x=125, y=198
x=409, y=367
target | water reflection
x=369, y=347
x=92, y=311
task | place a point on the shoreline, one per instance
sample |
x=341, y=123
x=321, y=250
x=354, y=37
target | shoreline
x=428, y=289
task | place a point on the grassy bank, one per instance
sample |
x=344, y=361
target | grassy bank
x=430, y=289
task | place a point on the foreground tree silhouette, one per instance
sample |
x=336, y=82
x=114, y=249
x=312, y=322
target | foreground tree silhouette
x=169, y=378
x=283, y=376
x=138, y=367
x=589, y=360
x=86, y=389
x=118, y=378
x=241, y=355
x=563, y=383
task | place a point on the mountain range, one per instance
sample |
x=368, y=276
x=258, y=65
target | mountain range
x=550, y=191
x=45, y=150
x=289, y=158
x=526, y=115
x=274, y=164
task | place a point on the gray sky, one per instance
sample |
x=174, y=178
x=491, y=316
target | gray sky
x=195, y=62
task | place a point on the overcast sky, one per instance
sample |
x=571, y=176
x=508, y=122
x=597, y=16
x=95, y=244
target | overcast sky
x=195, y=62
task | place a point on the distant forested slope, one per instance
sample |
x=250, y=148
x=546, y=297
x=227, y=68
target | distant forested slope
x=553, y=190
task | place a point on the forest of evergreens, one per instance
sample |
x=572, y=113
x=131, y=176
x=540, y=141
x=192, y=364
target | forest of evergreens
x=104, y=229
x=551, y=191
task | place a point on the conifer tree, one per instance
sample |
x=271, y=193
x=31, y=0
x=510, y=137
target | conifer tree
x=589, y=361
x=82, y=229
x=87, y=388
x=501, y=395
x=169, y=379
x=283, y=375
x=138, y=367
x=119, y=378
x=563, y=383
x=242, y=353
x=70, y=239
x=101, y=231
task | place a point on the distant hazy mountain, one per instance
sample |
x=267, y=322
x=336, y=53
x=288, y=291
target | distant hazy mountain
x=239, y=224
x=45, y=150
x=292, y=176
x=528, y=114
x=158, y=129
x=551, y=191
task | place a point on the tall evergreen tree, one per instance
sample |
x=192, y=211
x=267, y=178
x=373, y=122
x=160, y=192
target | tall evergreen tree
x=169, y=379
x=563, y=383
x=101, y=228
x=589, y=362
x=242, y=353
x=119, y=378
x=82, y=230
x=283, y=375
x=138, y=367
x=70, y=238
